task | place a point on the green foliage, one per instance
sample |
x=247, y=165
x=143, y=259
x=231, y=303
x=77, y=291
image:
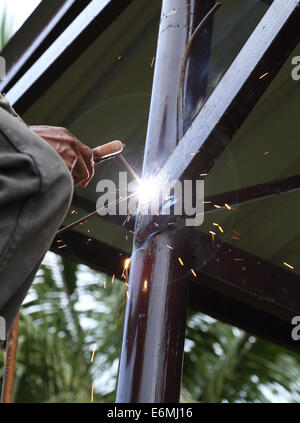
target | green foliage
x=225, y=364
x=5, y=28
x=72, y=311
x=68, y=313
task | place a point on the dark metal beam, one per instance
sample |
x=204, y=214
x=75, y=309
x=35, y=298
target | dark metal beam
x=234, y=312
x=154, y=327
x=205, y=296
x=254, y=192
x=246, y=277
x=235, y=197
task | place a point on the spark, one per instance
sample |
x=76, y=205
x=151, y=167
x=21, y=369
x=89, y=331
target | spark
x=288, y=265
x=235, y=237
x=213, y=234
x=127, y=293
x=206, y=202
x=265, y=74
x=126, y=220
x=113, y=279
x=236, y=232
x=217, y=207
x=152, y=63
x=169, y=246
x=62, y=246
x=239, y=259
x=219, y=227
x=203, y=174
x=227, y=206
x=156, y=224
x=180, y=261
x=94, y=213
x=93, y=353
x=127, y=263
x=104, y=284
x=171, y=223
x=125, y=273
x=266, y=153
x=193, y=272
x=74, y=212
x=92, y=394
x=119, y=57
x=145, y=287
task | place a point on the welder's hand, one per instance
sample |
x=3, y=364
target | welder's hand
x=77, y=156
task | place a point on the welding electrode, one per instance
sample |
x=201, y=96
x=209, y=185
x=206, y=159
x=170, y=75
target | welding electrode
x=107, y=151
x=112, y=149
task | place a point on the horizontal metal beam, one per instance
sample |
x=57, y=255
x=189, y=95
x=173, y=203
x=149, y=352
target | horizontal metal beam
x=254, y=192
x=207, y=294
x=234, y=197
x=249, y=318
x=246, y=277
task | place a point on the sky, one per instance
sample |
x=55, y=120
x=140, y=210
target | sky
x=18, y=10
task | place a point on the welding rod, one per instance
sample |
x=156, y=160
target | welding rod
x=125, y=162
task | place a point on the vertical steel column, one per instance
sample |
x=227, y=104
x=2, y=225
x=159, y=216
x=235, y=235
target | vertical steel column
x=154, y=328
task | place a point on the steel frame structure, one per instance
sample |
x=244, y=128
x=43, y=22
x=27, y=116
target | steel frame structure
x=153, y=338
x=151, y=361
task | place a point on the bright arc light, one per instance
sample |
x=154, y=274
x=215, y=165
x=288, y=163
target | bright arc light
x=147, y=190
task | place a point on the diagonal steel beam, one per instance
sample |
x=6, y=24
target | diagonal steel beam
x=239, y=90
x=66, y=48
x=237, y=93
